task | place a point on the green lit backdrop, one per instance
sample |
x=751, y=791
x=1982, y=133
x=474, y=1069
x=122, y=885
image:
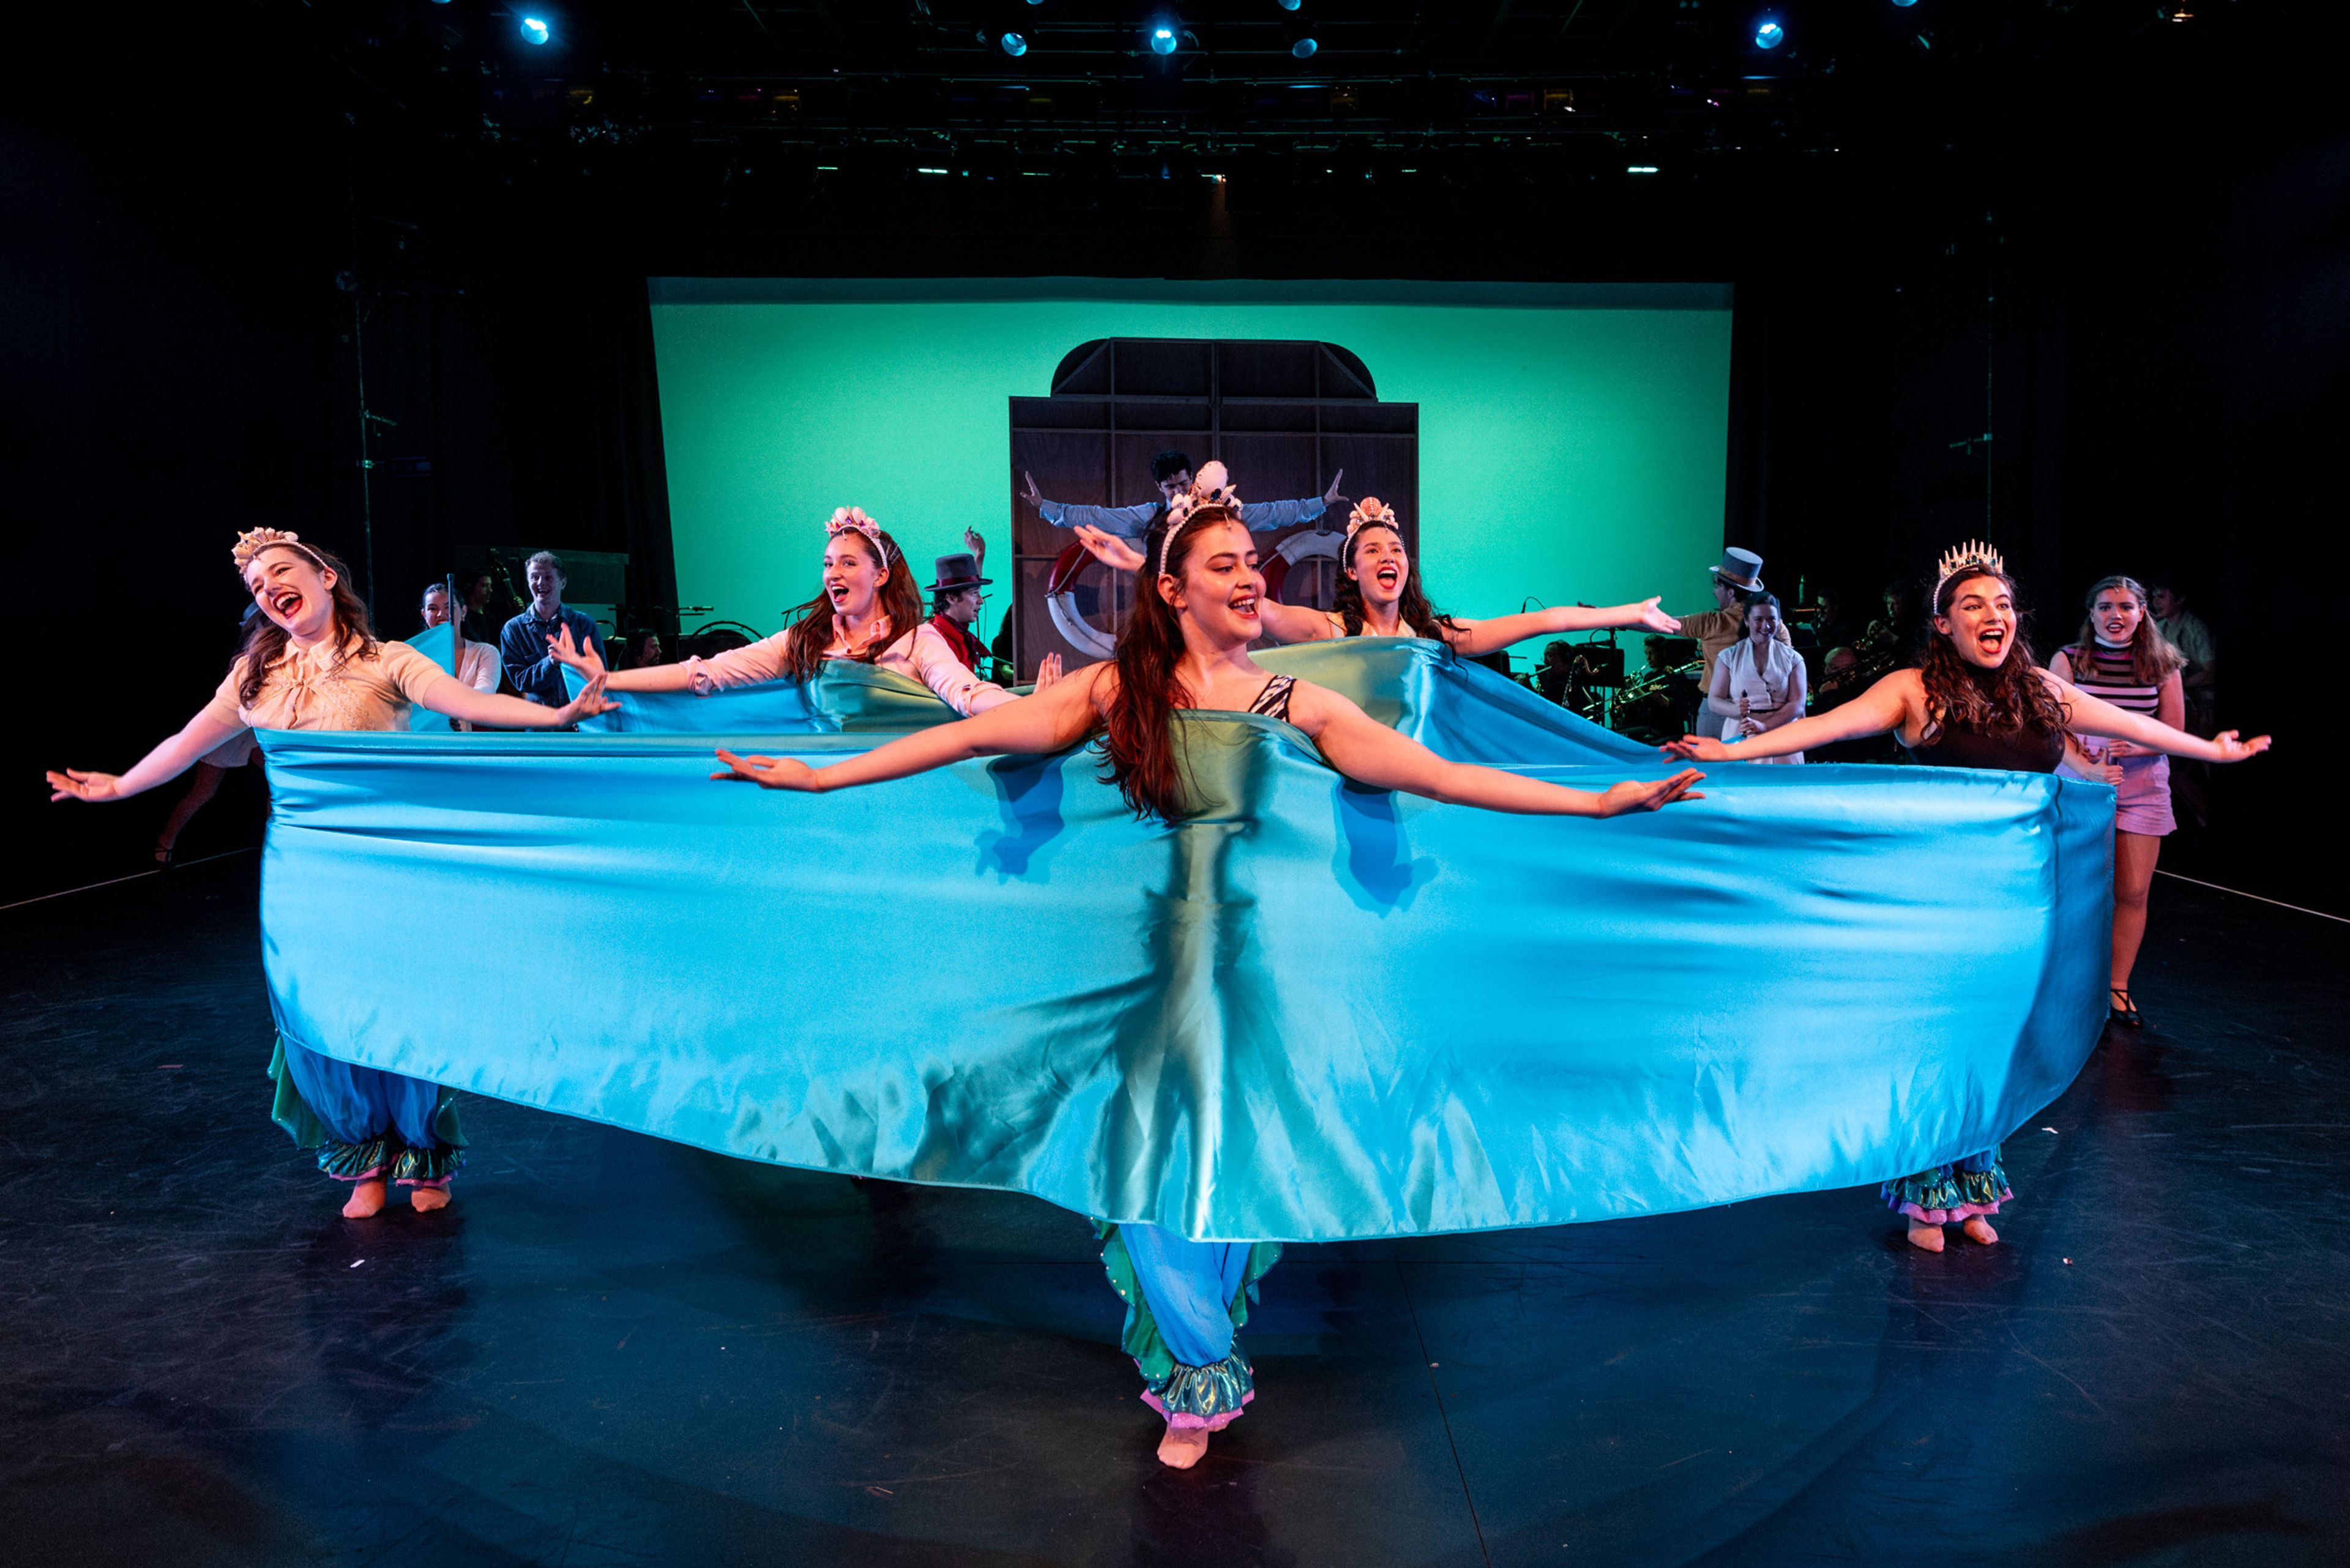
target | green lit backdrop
x=1572, y=437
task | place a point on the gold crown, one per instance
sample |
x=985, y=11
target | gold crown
x=1973, y=556
x=254, y=541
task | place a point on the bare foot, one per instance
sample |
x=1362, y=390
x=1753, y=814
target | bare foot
x=1978, y=1229
x=1184, y=1447
x=1924, y=1237
x=367, y=1200
x=425, y=1199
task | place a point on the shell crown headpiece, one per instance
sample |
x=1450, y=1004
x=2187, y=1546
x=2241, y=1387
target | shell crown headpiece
x=1369, y=511
x=1211, y=489
x=254, y=541
x=852, y=520
x=1971, y=557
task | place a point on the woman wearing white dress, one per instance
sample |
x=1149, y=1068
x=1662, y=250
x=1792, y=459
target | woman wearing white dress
x=1758, y=680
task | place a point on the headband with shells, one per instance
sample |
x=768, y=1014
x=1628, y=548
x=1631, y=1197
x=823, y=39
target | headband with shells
x=1370, y=513
x=1974, y=555
x=1212, y=490
x=852, y=520
x=254, y=541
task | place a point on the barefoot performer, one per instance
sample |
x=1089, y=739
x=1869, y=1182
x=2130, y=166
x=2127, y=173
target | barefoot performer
x=1379, y=591
x=1185, y=646
x=866, y=611
x=309, y=660
x=1978, y=699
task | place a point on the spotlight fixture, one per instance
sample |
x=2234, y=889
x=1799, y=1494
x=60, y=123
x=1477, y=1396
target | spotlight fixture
x=1012, y=43
x=534, y=30
x=1769, y=35
x=1304, y=48
x=1288, y=5
x=1162, y=37
x=1640, y=169
x=1905, y=4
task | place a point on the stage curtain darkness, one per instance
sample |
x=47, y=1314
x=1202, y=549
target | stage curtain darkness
x=584, y=409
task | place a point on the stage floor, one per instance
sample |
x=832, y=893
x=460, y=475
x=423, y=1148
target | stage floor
x=617, y=1351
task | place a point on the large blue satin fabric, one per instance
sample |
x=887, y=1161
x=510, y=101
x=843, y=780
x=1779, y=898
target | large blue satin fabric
x=1456, y=709
x=1313, y=1012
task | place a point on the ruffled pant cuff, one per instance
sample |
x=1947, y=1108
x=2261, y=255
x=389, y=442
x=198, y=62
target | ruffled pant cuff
x=1208, y=1397
x=1948, y=1195
x=386, y=1157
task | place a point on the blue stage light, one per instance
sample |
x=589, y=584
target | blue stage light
x=1304, y=49
x=1163, y=39
x=1905, y=4
x=1013, y=44
x=1287, y=5
x=534, y=31
x=1769, y=35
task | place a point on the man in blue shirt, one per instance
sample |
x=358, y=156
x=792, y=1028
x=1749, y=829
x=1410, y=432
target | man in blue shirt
x=1172, y=469
x=521, y=645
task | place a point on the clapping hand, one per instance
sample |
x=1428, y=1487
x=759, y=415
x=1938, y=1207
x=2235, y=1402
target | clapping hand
x=767, y=772
x=590, y=701
x=1699, y=749
x=588, y=660
x=1649, y=616
x=1119, y=554
x=1634, y=795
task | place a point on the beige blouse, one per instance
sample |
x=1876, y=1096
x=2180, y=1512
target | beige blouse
x=304, y=689
x=920, y=655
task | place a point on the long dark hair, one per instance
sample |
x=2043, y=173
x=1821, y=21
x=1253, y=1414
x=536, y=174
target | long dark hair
x=1413, y=608
x=2152, y=658
x=1137, y=735
x=2004, y=702
x=804, y=649
x=263, y=642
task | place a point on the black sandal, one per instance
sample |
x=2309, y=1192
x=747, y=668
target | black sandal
x=2126, y=1010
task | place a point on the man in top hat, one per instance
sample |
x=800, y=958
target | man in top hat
x=955, y=599
x=1739, y=574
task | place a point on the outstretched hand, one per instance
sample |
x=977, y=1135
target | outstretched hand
x=1699, y=749
x=1655, y=619
x=588, y=660
x=2231, y=750
x=590, y=701
x=1035, y=497
x=1111, y=551
x=1331, y=494
x=74, y=785
x=1633, y=795
x=767, y=772
x=1049, y=669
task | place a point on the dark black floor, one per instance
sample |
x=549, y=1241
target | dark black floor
x=616, y=1351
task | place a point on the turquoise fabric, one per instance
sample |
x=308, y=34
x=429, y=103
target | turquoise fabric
x=1314, y=1012
x=1455, y=708
x=438, y=644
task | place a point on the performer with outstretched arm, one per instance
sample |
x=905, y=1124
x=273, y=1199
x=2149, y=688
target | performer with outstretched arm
x=310, y=661
x=1172, y=472
x=866, y=611
x=1978, y=699
x=1380, y=592
x=1185, y=646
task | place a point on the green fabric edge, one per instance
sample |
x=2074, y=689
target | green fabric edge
x=1141, y=1337
x=289, y=1110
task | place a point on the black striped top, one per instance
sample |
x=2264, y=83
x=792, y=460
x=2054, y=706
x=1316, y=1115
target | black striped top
x=2106, y=672
x=1273, y=701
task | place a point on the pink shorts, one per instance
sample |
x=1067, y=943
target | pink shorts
x=2142, y=801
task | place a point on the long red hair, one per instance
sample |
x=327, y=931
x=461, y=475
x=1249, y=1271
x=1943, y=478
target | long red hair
x=804, y=652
